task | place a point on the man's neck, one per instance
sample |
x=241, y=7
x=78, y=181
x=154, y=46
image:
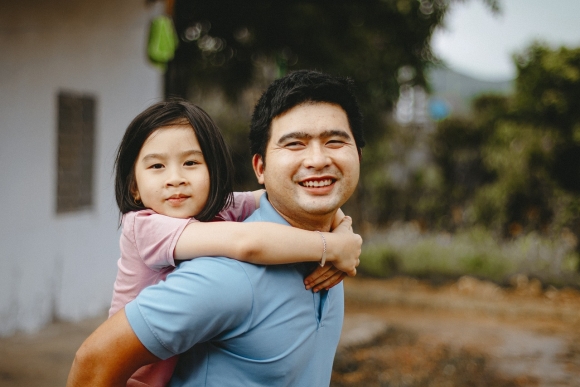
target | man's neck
x=310, y=223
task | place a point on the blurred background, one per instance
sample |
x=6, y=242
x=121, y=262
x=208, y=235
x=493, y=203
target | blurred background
x=470, y=177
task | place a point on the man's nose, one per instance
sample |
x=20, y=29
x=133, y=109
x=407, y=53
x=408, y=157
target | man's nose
x=316, y=157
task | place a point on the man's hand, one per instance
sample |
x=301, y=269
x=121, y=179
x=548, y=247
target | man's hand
x=324, y=277
x=109, y=356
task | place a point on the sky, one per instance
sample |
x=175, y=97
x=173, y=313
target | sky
x=480, y=44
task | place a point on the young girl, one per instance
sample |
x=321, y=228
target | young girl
x=173, y=165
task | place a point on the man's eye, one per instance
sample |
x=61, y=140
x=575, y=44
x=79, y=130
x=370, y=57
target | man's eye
x=294, y=145
x=335, y=143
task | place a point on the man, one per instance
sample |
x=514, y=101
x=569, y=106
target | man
x=238, y=324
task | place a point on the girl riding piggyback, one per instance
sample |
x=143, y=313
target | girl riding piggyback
x=173, y=187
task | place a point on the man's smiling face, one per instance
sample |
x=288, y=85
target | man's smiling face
x=312, y=164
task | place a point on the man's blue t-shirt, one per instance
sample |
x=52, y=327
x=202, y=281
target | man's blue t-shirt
x=238, y=324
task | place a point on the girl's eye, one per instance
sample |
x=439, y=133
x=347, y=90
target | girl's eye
x=190, y=163
x=156, y=166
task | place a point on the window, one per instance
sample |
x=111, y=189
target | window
x=76, y=133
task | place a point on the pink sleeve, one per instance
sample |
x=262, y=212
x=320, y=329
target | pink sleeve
x=244, y=205
x=156, y=236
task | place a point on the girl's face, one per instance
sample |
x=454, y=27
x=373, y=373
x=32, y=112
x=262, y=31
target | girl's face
x=171, y=173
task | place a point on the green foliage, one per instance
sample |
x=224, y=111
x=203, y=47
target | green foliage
x=379, y=261
x=476, y=252
x=231, y=44
x=548, y=98
x=514, y=166
x=230, y=51
x=548, y=88
x=236, y=47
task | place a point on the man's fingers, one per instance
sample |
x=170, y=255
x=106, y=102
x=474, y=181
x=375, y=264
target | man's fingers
x=342, y=275
x=318, y=275
x=330, y=282
x=321, y=277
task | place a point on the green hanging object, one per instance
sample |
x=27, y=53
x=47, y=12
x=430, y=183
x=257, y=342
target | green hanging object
x=162, y=41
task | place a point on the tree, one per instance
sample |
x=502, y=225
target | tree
x=527, y=146
x=368, y=40
x=548, y=96
x=231, y=45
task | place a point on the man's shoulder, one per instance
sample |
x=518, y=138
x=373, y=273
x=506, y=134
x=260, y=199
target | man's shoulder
x=218, y=267
x=214, y=278
x=255, y=217
x=266, y=213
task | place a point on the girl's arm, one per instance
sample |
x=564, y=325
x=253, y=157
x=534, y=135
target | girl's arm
x=270, y=244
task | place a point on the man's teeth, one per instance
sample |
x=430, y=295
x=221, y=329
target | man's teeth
x=317, y=183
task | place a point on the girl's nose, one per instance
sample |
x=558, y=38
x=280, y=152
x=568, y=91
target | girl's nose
x=175, y=179
x=175, y=182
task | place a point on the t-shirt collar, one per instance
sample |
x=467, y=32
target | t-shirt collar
x=269, y=212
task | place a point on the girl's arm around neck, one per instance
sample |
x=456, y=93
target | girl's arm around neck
x=270, y=243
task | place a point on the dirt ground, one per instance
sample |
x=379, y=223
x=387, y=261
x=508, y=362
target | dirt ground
x=399, y=332
x=466, y=333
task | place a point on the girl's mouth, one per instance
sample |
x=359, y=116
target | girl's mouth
x=177, y=199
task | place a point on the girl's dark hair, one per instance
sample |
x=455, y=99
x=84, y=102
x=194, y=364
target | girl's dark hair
x=213, y=146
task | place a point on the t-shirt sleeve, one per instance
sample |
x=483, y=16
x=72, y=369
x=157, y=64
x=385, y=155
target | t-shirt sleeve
x=156, y=236
x=193, y=305
x=242, y=207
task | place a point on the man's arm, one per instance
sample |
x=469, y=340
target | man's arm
x=109, y=356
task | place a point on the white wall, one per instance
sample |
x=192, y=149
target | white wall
x=63, y=266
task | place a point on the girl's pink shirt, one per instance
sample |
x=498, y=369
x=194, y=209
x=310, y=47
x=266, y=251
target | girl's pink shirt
x=147, y=243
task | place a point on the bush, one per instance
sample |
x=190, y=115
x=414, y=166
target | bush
x=403, y=249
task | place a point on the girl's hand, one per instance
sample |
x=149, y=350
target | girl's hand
x=344, y=247
x=338, y=217
x=324, y=277
x=342, y=256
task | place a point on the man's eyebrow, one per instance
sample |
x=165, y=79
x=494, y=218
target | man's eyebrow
x=336, y=133
x=295, y=135
x=304, y=135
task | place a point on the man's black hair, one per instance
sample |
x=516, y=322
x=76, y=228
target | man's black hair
x=299, y=87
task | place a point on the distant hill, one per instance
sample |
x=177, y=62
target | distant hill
x=458, y=90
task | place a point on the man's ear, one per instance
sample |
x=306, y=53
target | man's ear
x=259, y=167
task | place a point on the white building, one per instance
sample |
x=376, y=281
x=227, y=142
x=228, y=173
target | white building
x=72, y=76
